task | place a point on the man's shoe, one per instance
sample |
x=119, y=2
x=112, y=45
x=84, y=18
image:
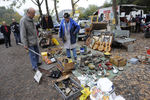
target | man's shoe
x=75, y=58
x=69, y=57
x=34, y=70
x=39, y=64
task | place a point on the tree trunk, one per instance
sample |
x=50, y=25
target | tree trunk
x=46, y=3
x=115, y=11
x=73, y=9
x=38, y=3
x=40, y=10
x=55, y=5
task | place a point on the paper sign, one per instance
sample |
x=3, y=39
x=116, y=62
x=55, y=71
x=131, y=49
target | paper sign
x=38, y=76
x=53, y=59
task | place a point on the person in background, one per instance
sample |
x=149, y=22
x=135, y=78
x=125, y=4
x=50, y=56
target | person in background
x=132, y=23
x=15, y=29
x=68, y=33
x=29, y=37
x=137, y=23
x=37, y=28
x=47, y=22
x=86, y=25
x=5, y=29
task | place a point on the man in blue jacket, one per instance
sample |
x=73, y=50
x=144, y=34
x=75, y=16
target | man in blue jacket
x=68, y=33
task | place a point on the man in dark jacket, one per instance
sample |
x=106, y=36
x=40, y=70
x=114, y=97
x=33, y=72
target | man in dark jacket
x=68, y=33
x=6, y=32
x=16, y=31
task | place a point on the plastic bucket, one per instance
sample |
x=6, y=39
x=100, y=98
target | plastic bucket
x=85, y=48
x=148, y=51
x=82, y=50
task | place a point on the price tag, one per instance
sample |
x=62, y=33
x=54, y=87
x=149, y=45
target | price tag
x=38, y=76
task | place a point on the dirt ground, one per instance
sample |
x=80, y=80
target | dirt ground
x=17, y=81
x=134, y=83
x=16, y=77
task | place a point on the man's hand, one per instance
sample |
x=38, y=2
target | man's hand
x=26, y=47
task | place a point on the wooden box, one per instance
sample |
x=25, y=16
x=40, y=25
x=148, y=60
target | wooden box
x=118, y=61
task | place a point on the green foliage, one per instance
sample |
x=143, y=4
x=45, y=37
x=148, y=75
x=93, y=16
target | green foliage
x=124, y=1
x=8, y=14
x=16, y=3
x=81, y=10
x=107, y=4
x=137, y=2
x=143, y=3
x=88, y=11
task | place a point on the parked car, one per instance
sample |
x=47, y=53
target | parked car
x=1, y=37
x=83, y=24
x=56, y=27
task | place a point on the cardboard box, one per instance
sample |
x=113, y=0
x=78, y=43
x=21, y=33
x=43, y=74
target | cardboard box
x=67, y=67
x=118, y=61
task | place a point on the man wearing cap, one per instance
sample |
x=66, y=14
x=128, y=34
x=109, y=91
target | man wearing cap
x=68, y=33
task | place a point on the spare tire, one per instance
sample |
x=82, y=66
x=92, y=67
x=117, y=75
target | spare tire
x=42, y=42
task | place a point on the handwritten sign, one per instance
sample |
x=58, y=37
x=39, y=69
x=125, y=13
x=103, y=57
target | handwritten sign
x=38, y=76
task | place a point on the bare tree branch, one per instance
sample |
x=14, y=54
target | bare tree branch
x=76, y=2
x=34, y=2
x=41, y=2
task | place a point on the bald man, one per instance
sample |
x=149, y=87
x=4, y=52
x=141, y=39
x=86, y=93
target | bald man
x=29, y=36
x=5, y=29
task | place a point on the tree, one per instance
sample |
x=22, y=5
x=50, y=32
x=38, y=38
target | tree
x=115, y=11
x=137, y=2
x=8, y=14
x=90, y=10
x=119, y=2
x=107, y=4
x=143, y=3
x=55, y=7
x=73, y=3
x=47, y=9
x=81, y=11
x=85, y=13
x=16, y=3
x=17, y=16
x=38, y=3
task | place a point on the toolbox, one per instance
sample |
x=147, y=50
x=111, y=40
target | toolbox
x=76, y=93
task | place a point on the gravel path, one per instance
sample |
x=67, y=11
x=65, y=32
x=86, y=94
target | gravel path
x=16, y=77
x=134, y=83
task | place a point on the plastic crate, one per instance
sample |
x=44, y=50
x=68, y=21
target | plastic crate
x=74, y=95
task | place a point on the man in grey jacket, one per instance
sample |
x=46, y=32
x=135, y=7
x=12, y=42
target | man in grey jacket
x=29, y=36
